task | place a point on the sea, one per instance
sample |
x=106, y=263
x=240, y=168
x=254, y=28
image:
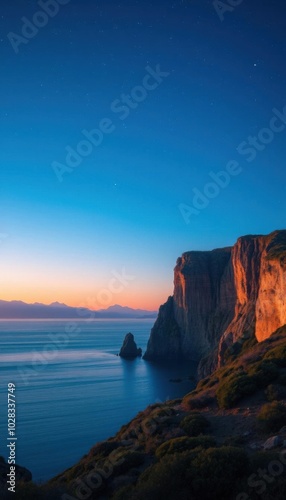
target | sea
x=72, y=389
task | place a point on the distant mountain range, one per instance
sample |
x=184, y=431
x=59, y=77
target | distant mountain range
x=20, y=310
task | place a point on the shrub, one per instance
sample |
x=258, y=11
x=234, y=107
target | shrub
x=216, y=472
x=277, y=248
x=163, y=411
x=237, y=441
x=226, y=373
x=261, y=459
x=181, y=444
x=248, y=344
x=125, y=493
x=167, y=479
x=272, y=416
x=276, y=490
x=278, y=354
x=127, y=460
x=75, y=471
x=282, y=377
x=232, y=352
x=212, y=382
x=266, y=489
x=263, y=372
x=202, y=383
x=234, y=388
x=194, y=424
x=271, y=392
x=210, y=474
x=275, y=392
x=104, y=448
x=196, y=402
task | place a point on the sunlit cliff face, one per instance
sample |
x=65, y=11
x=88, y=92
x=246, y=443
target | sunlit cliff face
x=271, y=301
x=225, y=296
x=260, y=281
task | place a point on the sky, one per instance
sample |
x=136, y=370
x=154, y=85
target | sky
x=184, y=103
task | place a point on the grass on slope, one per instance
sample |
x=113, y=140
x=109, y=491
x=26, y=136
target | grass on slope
x=209, y=445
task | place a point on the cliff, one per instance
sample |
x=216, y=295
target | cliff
x=221, y=298
x=165, y=326
x=201, y=307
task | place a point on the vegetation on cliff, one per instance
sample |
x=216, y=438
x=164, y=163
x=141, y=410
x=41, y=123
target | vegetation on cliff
x=277, y=247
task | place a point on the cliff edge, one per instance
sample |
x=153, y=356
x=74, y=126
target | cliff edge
x=221, y=298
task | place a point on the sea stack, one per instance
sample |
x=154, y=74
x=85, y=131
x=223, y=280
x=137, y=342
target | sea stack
x=129, y=348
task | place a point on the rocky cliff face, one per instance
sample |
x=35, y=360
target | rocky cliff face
x=222, y=297
x=191, y=321
x=270, y=311
x=165, y=328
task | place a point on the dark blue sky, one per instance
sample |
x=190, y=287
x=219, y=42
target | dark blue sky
x=120, y=208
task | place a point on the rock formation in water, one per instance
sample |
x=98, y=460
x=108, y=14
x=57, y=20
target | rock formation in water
x=129, y=348
x=222, y=297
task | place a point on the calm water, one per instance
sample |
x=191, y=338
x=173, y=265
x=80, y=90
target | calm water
x=73, y=391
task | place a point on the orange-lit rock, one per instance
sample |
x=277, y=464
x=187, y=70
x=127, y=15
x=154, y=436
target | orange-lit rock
x=259, y=267
x=271, y=302
x=223, y=297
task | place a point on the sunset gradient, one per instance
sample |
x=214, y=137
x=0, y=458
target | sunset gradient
x=120, y=208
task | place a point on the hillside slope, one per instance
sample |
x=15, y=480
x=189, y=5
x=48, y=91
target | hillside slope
x=224, y=440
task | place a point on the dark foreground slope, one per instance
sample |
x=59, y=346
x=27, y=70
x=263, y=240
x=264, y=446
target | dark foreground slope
x=225, y=440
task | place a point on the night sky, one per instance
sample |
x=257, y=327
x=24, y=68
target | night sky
x=140, y=194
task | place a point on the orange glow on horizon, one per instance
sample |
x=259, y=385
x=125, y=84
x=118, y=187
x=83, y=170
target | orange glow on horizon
x=77, y=289
x=88, y=300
